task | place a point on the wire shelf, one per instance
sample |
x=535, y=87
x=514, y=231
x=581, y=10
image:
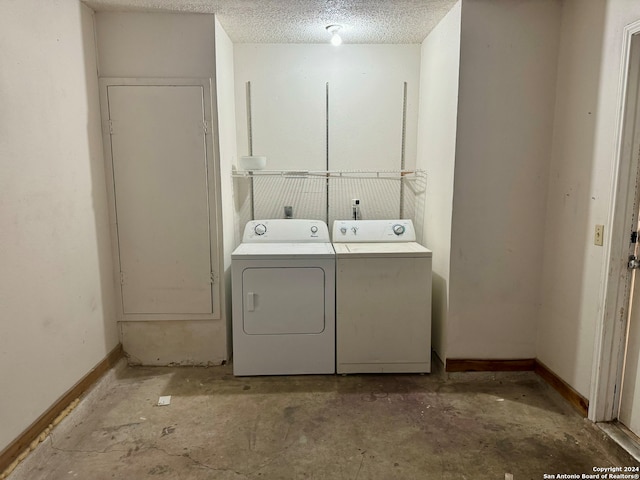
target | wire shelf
x=328, y=194
x=354, y=174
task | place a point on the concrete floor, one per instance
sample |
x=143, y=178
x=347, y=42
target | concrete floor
x=462, y=426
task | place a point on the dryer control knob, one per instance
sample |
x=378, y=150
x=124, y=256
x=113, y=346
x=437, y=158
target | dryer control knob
x=398, y=229
x=314, y=229
x=260, y=229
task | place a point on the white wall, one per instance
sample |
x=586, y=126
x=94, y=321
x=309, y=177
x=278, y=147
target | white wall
x=572, y=262
x=438, y=115
x=289, y=119
x=288, y=84
x=580, y=184
x=226, y=120
x=287, y=104
x=56, y=285
x=146, y=44
x=508, y=57
x=164, y=45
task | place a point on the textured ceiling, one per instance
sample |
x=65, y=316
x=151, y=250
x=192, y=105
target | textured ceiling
x=304, y=21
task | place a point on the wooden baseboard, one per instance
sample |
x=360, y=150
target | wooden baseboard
x=579, y=402
x=576, y=400
x=15, y=448
x=466, y=365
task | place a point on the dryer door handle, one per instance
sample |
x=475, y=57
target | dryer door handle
x=251, y=301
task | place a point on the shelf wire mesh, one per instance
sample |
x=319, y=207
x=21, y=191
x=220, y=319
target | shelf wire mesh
x=328, y=196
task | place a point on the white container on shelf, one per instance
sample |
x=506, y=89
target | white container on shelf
x=253, y=162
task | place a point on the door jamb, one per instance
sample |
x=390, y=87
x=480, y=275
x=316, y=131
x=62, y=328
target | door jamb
x=610, y=335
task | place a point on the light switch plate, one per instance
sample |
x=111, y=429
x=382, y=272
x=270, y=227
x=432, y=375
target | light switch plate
x=598, y=237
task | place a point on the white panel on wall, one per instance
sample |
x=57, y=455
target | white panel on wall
x=161, y=195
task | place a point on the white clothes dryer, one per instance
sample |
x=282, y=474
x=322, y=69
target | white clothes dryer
x=283, y=292
x=383, y=297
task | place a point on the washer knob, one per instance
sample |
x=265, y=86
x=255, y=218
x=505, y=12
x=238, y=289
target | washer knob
x=343, y=230
x=398, y=229
x=314, y=229
x=260, y=229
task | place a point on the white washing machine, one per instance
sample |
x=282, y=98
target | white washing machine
x=283, y=292
x=383, y=297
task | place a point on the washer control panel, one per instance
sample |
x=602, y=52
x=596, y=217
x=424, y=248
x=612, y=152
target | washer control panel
x=285, y=231
x=350, y=231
